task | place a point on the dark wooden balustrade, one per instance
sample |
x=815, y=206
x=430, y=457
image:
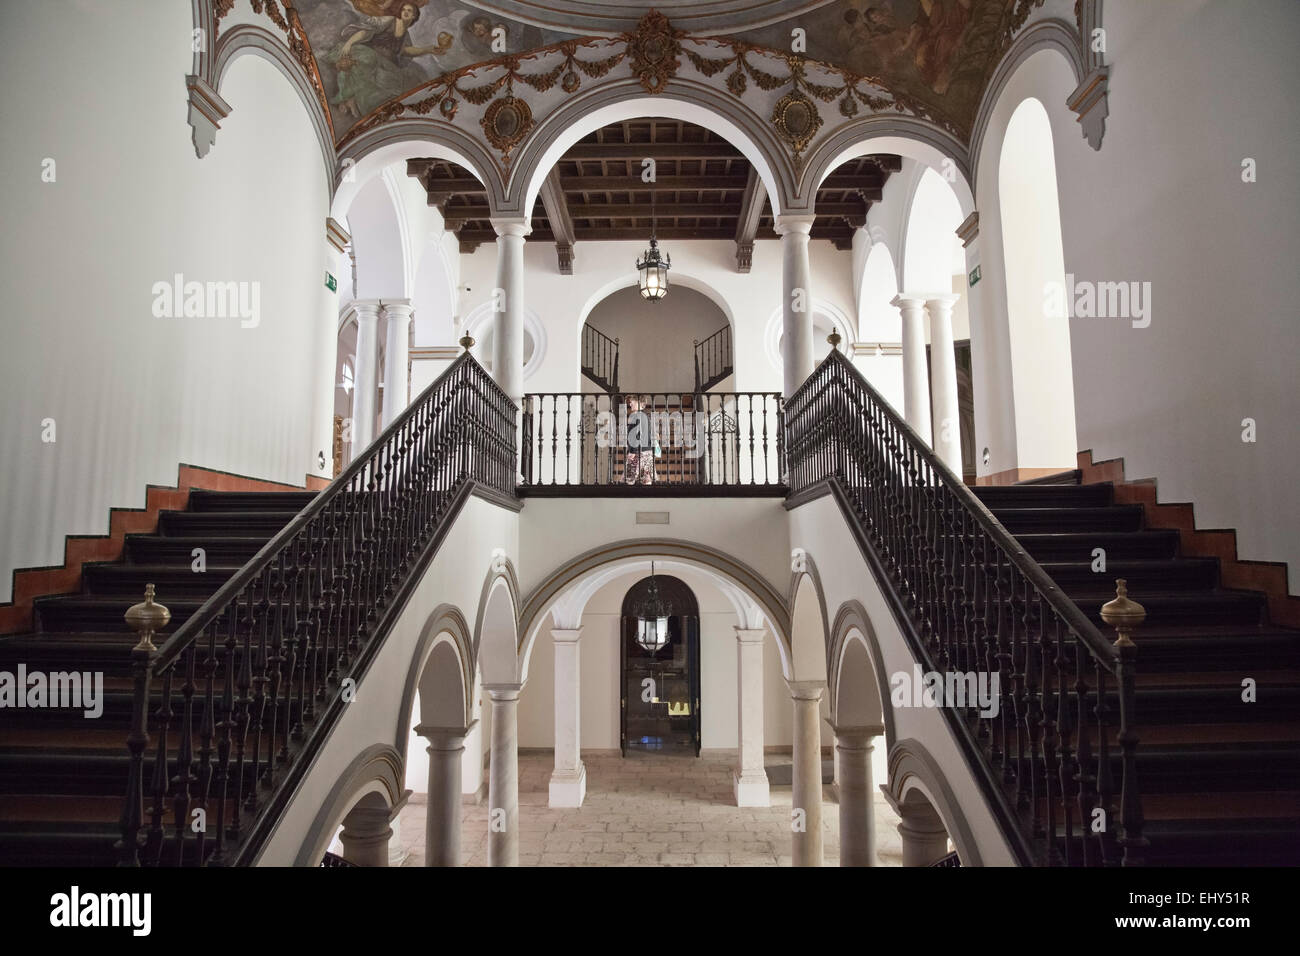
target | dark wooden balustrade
x=713, y=359
x=600, y=358
x=252, y=682
x=719, y=443
x=969, y=599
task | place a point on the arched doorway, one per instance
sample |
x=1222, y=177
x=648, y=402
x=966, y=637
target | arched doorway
x=660, y=671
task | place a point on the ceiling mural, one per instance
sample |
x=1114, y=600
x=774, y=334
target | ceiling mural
x=372, y=61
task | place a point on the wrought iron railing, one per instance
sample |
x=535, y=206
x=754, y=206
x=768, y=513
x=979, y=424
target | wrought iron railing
x=710, y=443
x=600, y=358
x=253, y=681
x=970, y=600
x=713, y=359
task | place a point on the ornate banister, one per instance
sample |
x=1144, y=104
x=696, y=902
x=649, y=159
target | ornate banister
x=600, y=358
x=970, y=600
x=252, y=682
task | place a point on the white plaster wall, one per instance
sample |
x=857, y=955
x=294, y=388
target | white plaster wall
x=600, y=268
x=133, y=395
x=656, y=341
x=819, y=527
x=455, y=576
x=1196, y=87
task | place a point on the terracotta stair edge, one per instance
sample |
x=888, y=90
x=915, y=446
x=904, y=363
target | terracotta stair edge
x=1267, y=577
x=30, y=583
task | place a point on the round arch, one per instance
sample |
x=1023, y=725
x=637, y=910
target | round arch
x=878, y=321
x=810, y=634
x=835, y=318
x=496, y=629
x=480, y=321
x=371, y=152
x=915, y=776
x=907, y=136
x=623, y=99
x=442, y=670
x=567, y=588
x=930, y=223
x=376, y=774
x=854, y=650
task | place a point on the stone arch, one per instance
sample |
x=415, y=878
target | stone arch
x=929, y=223
x=755, y=601
x=879, y=285
x=442, y=670
x=855, y=653
x=375, y=776
x=1052, y=34
x=916, y=781
x=245, y=38
x=372, y=151
x=496, y=629
x=888, y=133
x=609, y=102
x=810, y=635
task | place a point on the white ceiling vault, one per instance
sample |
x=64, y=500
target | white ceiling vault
x=616, y=16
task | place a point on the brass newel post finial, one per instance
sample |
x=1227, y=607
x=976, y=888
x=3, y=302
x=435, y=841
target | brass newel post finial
x=146, y=618
x=1122, y=613
x=467, y=341
x=834, y=338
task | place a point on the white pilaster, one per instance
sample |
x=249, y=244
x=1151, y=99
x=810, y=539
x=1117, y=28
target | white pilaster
x=365, y=381
x=508, y=296
x=797, y=358
x=806, y=782
x=569, y=779
x=943, y=382
x=397, y=313
x=503, y=776
x=749, y=783
x=916, y=405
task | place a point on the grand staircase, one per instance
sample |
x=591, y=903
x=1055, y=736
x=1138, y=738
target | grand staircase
x=63, y=775
x=1220, y=777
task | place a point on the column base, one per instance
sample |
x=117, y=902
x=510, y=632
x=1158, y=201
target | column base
x=751, y=789
x=569, y=787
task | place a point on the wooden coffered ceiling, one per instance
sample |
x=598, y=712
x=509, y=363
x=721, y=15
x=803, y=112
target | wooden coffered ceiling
x=703, y=188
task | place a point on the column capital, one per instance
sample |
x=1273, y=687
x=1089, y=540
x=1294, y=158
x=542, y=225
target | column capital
x=969, y=229
x=800, y=225
x=566, y=635
x=943, y=301
x=750, y=635
x=908, y=300
x=367, y=309
x=444, y=738
x=511, y=228
x=856, y=736
x=397, y=307
x=501, y=692
x=806, y=689
x=336, y=235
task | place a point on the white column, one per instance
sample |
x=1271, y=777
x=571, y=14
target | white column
x=473, y=786
x=569, y=779
x=797, y=359
x=508, y=296
x=365, y=382
x=943, y=382
x=853, y=747
x=503, y=776
x=749, y=783
x=396, y=356
x=806, y=782
x=442, y=816
x=365, y=836
x=916, y=405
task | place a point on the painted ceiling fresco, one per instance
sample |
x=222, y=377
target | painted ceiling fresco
x=932, y=56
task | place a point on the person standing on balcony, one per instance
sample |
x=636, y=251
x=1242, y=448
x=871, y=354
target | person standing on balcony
x=639, y=464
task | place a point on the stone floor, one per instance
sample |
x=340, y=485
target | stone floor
x=651, y=810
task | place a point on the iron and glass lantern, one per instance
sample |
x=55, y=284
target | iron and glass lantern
x=652, y=268
x=652, y=618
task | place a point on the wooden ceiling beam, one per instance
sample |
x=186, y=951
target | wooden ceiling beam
x=751, y=210
x=561, y=223
x=663, y=183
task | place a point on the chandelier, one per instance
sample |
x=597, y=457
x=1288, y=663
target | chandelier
x=652, y=618
x=652, y=266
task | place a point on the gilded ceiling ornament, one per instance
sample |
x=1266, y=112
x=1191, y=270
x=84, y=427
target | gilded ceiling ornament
x=506, y=122
x=796, y=119
x=654, y=49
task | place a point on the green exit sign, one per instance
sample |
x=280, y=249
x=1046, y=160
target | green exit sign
x=331, y=283
x=975, y=275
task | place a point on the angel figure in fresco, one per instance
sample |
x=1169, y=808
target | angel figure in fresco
x=376, y=58
x=935, y=38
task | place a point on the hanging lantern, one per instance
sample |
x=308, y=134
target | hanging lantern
x=653, y=266
x=652, y=618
